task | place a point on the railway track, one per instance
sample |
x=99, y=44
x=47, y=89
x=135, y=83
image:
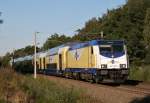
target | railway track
x=127, y=88
x=136, y=89
x=132, y=89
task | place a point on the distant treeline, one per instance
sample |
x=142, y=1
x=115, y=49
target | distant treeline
x=130, y=22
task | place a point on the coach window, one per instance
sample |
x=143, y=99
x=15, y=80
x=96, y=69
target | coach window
x=91, y=49
x=44, y=62
x=40, y=64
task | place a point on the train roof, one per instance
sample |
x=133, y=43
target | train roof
x=106, y=42
x=96, y=42
x=72, y=46
x=76, y=45
x=55, y=50
x=29, y=57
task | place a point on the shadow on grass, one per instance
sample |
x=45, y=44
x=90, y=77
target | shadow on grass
x=146, y=99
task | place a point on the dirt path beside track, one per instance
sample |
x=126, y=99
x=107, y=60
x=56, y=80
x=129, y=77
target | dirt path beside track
x=103, y=93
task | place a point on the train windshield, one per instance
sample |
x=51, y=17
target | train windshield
x=111, y=49
x=118, y=48
x=105, y=49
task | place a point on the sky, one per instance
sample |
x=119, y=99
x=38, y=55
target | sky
x=24, y=17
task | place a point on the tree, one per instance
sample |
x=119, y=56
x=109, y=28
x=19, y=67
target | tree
x=126, y=22
x=5, y=60
x=0, y=61
x=146, y=33
x=1, y=21
x=55, y=40
x=28, y=50
x=93, y=26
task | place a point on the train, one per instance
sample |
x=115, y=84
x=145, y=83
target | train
x=95, y=60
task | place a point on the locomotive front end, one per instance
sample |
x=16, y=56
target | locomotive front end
x=113, y=61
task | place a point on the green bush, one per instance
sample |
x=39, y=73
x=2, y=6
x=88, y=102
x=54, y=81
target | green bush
x=140, y=73
x=17, y=88
x=45, y=91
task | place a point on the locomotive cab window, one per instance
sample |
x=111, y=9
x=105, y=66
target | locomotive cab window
x=104, y=49
x=118, y=48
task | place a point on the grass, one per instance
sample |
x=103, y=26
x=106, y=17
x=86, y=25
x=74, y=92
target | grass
x=140, y=73
x=17, y=88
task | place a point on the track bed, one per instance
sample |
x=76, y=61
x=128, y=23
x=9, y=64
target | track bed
x=107, y=93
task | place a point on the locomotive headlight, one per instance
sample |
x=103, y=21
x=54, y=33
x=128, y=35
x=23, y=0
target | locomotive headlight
x=122, y=65
x=104, y=66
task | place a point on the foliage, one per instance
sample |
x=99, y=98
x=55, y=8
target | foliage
x=17, y=88
x=140, y=73
x=0, y=61
x=146, y=31
x=1, y=21
x=55, y=40
x=147, y=58
x=129, y=22
x=4, y=61
x=92, y=27
x=28, y=50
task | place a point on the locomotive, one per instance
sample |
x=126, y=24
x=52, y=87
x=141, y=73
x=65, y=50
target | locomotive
x=95, y=60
